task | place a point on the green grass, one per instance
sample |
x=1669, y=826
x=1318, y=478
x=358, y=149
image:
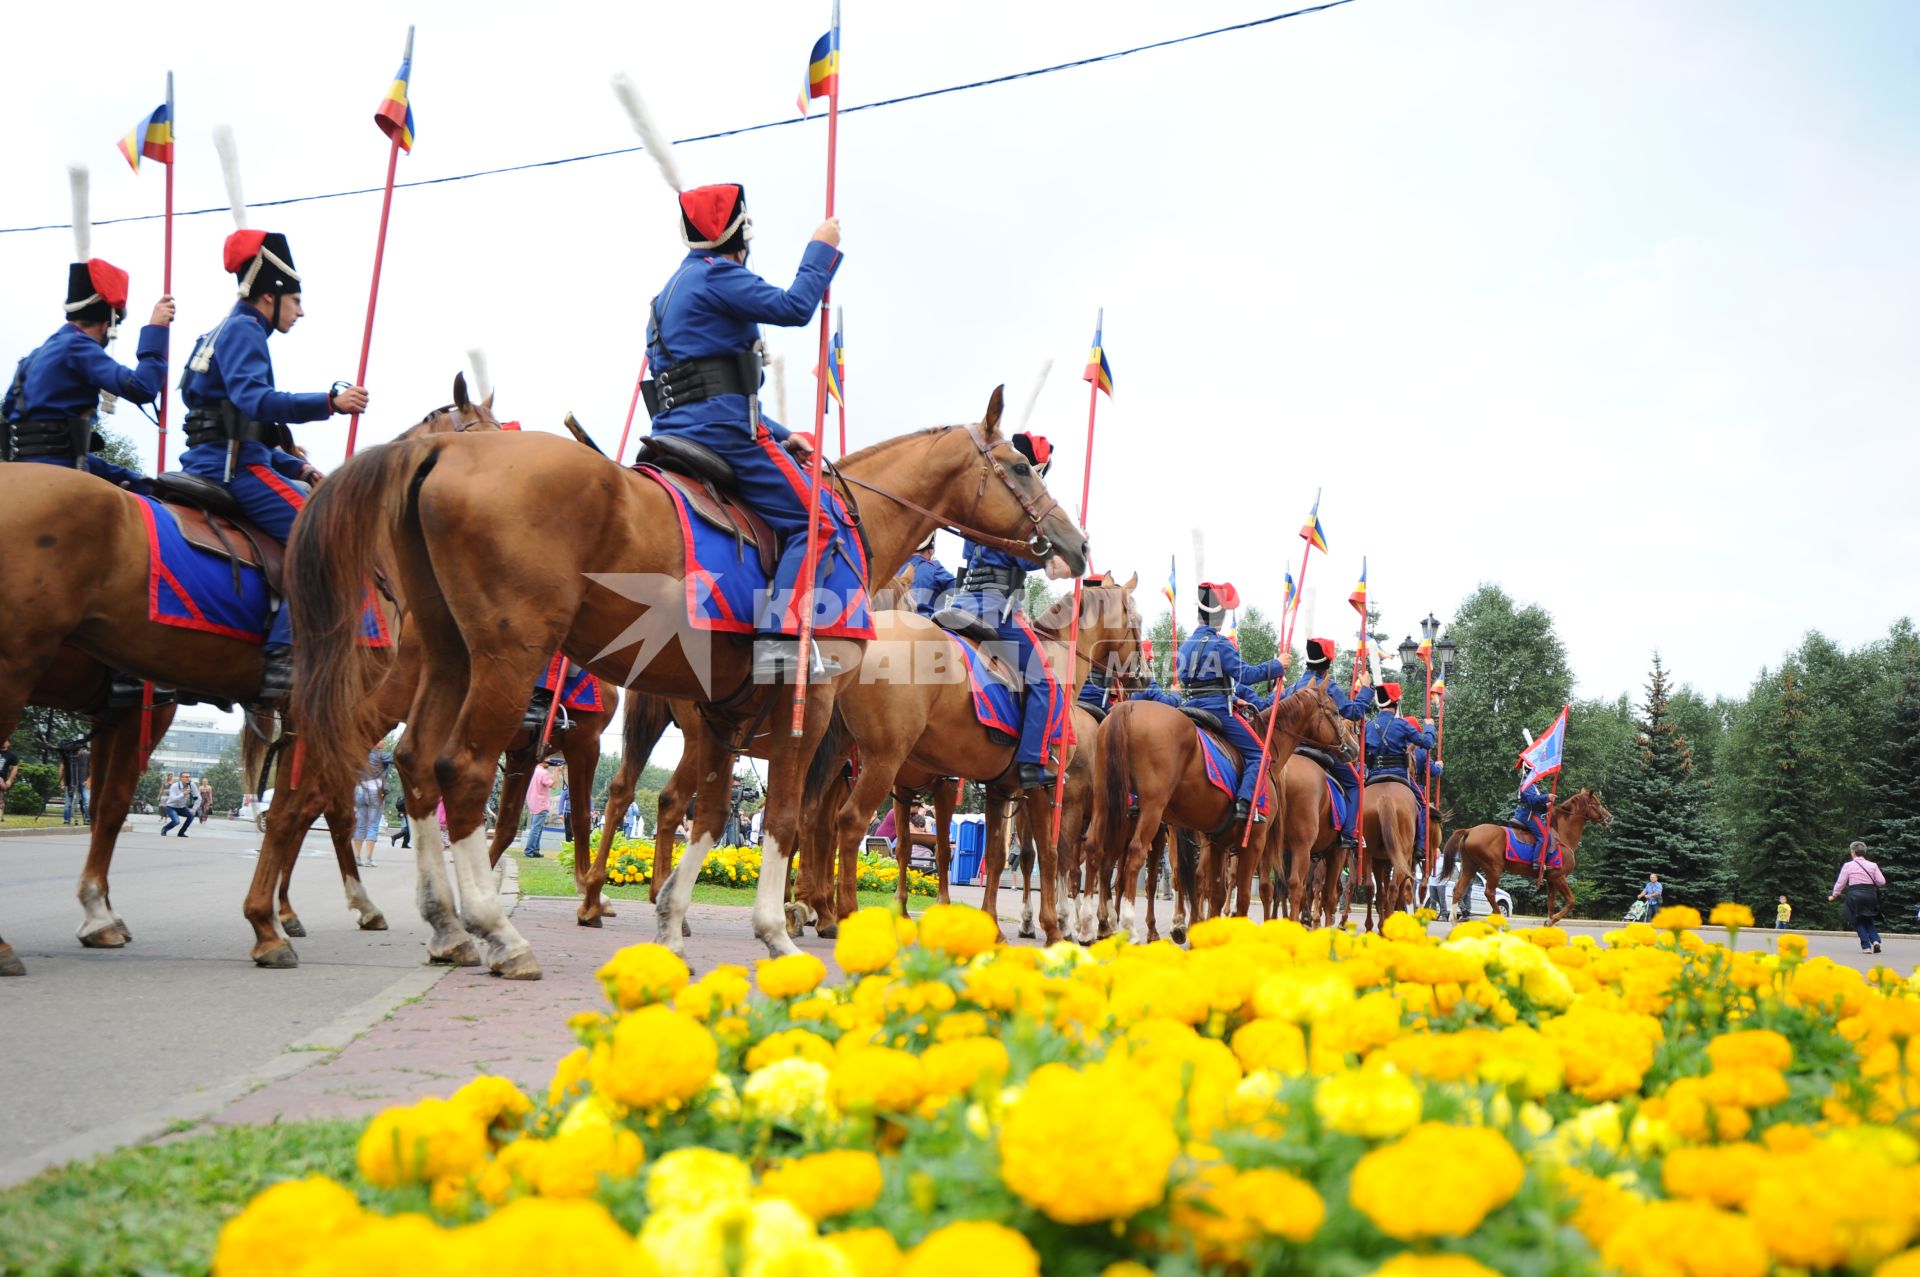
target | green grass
x=547, y=878
x=51, y=819
x=158, y=1209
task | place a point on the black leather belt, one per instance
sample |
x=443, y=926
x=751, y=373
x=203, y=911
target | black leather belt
x=1386, y=761
x=67, y=437
x=1008, y=581
x=693, y=380
x=221, y=422
x=1210, y=687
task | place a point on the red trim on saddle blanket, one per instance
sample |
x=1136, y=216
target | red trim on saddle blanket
x=158, y=572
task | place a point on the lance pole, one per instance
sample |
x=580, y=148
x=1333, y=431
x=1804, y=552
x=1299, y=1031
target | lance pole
x=803, y=673
x=379, y=255
x=166, y=283
x=1426, y=813
x=558, y=673
x=1299, y=590
x=838, y=349
x=1361, y=660
x=633, y=405
x=1073, y=630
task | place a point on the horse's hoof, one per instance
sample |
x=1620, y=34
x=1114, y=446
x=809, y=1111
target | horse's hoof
x=294, y=928
x=593, y=921
x=374, y=922
x=518, y=966
x=796, y=920
x=1177, y=934
x=10, y=963
x=464, y=954
x=607, y=913
x=110, y=936
x=1027, y=932
x=829, y=932
x=277, y=956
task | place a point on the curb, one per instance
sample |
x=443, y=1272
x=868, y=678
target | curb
x=41, y=831
x=1602, y=924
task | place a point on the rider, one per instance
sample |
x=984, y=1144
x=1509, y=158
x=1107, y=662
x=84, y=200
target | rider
x=704, y=347
x=929, y=584
x=992, y=589
x=1531, y=813
x=1424, y=769
x=1214, y=676
x=1320, y=654
x=1391, y=738
x=51, y=408
x=237, y=423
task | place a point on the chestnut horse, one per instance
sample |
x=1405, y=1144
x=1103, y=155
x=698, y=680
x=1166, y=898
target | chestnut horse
x=493, y=598
x=1386, y=869
x=1150, y=752
x=1307, y=839
x=1485, y=847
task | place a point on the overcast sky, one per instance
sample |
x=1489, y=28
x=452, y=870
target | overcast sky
x=1611, y=304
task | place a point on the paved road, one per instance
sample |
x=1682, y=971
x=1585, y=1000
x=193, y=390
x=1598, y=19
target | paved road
x=91, y=1038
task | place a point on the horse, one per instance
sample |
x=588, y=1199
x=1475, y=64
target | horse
x=1386, y=853
x=494, y=598
x=1150, y=753
x=577, y=736
x=1485, y=847
x=912, y=712
x=1307, y=837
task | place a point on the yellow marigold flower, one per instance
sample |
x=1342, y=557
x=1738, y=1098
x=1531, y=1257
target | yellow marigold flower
x=867, y=941
x=1595, y=1126
x=643, y=973
x=280, y=1229
x=1404, y=927
x=588, y=1113
x=657, y=1057
x=1216, y=932
x=1222, y=1211
x=1275, y=1045
x=970, y=1248
x=1722, y=1174
x=1438, y=1057
x=869, y=1252
x=1731, y=916
x=1436, y=1181
x=494, y=1100
x=723, y=989
x=540, y=1238
x=1763, y=1047
x=1304, y=994
x=1676, y=918
x=689, y=1179
x=1359, y=1026
x=960, y=1024
x=786, y=1044
x=1750, y=1086
x=1521, y=1057
x=878, y=1079
x=1373, y=1103
x=1278, y=1204
x=1828, y=1208
x=959, y=931
x=771, y=1235
x=1606, y=1052
x=788, y=1091
x=411, y=1244
x=568, y=1165
x=1408, y=1264
x=1685, y=1239
x=1791, y=946
x=1692, y=1113
x=1048, y=1147
x=827, y=1184
x=1907, y=1265
x=1131, y=1268
x=790, y=976
x=1548, y=938
x=956, y=1068
x=421, y=1143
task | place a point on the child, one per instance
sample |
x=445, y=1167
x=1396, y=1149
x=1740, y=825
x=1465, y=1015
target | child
x=1782, y=915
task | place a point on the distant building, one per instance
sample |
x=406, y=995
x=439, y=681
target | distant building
x=193, y=745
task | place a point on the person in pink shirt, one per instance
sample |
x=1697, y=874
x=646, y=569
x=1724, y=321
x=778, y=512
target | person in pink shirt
x=539, y=804
x=1861, y=880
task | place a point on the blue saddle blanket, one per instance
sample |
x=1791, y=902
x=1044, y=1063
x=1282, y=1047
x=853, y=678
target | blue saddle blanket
x=1337, y=800
x=582, y=690
x=1522, y=849
x=1224, y=770
x=195, y=589
x=726, y=586
x=994, y=701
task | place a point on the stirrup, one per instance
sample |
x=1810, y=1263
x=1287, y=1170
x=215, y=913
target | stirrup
x=536, y=716
x=775, y=660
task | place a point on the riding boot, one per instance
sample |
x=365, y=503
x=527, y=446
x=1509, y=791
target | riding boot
x=276, y=674
x=124, y=691
x=1241, y=809
x=1035, y=776
x=537, y=710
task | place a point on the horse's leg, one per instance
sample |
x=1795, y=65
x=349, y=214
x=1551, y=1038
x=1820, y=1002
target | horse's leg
x=674, y=798
x=1243, y=869
x=786, y=780
x=366, y=913
x=1027, y=856
x=644, y=723
x=340, y=832
x=516, y=775
x=999, y=829
x=1040, y=823
x=1151, y=808
x=1153, y=890
x=1185, y=870
x=581, y=748
x=1493, y=900
x=488, y=716
x=116, y=768
x=902, y=845
x=702, y=752
x=279, y=847
x=945, y=799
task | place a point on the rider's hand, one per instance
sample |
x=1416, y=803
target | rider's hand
x=829, y=233
x=799, y=446
x=1366, y=676
x=349, y=401
x=162, y=312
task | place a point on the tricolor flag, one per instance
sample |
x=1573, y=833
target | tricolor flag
x=1099, y=372
x=394, y=115
x=1359, y=596
x=1172, y=587
x=1545, y=756
x=837, y=368
x=1311, y=531
x=1231, y=630
x=151, y=136
x=823, y=65
x=1426, y=649
x=1288, y=601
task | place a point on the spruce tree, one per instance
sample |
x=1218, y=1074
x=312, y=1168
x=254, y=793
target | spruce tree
x=1661, y=822
x=1789, y=850
x=1893, y=774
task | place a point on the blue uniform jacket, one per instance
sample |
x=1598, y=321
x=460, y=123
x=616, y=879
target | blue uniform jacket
x=241, y=372
x=930, y=584
x=1390, y=735
x=990, y=605
x=67, y=373
x=715, y=306
x=1206, y=656
x=1425, y=767
x=1352, y=707
x=1533, y=800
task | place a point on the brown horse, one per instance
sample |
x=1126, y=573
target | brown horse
x=494, y=598
x=1151, y=752
x=577, y=737
x=1308, y=840
x=912, y=711
x=1485, y=847
x=1386, y=869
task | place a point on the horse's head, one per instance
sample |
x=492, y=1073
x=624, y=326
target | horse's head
x=1323, y=728
x=1013, y=501
x=458, y=417
x=1587, y=805
x=1109, y=624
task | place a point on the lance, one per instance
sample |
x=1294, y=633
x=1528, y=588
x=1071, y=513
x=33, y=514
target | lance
x=809, y=567
x=633, y=405
x=1300, y=587
x=166, y=290
x=1173, y=622
x=837, y=352
x=557, y=671
x=1426, y=814
x=395, y=131
x=1073, y=631
x=1361, y=660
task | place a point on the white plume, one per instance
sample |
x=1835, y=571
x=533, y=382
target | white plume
x=1199, y=556
x=651, y=138
x=1527, y=736
x=82, y=213
x=1033, y=395
x=230, y=171
x=482, y=387
x=780, y=388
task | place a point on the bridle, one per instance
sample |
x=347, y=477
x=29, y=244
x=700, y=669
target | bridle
x=1037, y=546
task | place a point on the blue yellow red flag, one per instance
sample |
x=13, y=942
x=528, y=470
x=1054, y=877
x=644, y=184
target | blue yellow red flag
x=1172, y=588
x=823, y=66
x=394, y=115
x=1231, y=630
x=1545, y=756
x=1359, y=596
x=151, y=137
x=837, y=368
x=1311, y=531
x=1099, y=371
x=1288, y=601
x=1425, y=652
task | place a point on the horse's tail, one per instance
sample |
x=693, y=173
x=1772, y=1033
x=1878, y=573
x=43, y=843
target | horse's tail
x=1186, y=862
x=647, y=719
x=829, y=761
x=1450, y=854
x=1115, y=782
x=364, y=507
x=257, y=733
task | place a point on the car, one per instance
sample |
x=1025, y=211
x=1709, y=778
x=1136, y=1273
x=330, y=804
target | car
x=1440, y=897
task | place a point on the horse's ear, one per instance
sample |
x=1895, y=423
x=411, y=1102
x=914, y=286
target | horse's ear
x=1131, y=582
x=488, y=405
x=460, y=400
x=990, y=424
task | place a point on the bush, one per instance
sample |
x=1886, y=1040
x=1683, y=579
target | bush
x=630, y=863
x=37, y=785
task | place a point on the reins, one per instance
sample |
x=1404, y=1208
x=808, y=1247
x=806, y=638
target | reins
x=1036, y=545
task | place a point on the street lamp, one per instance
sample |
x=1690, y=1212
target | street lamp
x=1409, y=656
x=1444, y=651
x=1430, y=628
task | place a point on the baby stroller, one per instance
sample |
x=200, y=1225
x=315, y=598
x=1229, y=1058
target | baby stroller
x=1638, y=913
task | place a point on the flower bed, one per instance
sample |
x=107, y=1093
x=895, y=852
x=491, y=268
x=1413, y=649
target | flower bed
x=1274, y=1100
x=630, y=863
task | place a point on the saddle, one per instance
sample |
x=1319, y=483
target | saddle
x=1327, y=762
x=1206, y=718
x=710, y=486
x=1098, y=713
x=210, y=518
x=1399, y=780
x=964, y=624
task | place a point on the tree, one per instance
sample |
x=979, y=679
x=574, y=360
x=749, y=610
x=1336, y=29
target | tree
x=148, y=788
x=1042, y=594
x=1893, y=772
x=224, y=776
x=1662, y=823
x=1259, y=640
x=120, y=450
x=1601, y=751
x=1781, y=848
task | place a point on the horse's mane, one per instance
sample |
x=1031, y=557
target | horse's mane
x=895, y=441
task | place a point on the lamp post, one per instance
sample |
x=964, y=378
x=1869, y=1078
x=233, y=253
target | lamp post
x=1445, y=649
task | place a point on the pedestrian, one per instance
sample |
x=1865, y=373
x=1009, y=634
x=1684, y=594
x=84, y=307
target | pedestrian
x=1861, y=880
x=1782, y=915
x=539, y=803
x=206, y=799
x=369, y=797
x=179, y=803
x=9, y=772
x=1653, y=893
x=76, y=763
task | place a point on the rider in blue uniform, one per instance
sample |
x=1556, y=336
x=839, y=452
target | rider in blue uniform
x=1423, y=770
x=929, y=584
x=237, y=422
x=992, y=589
x=704, y=350
x=1320, y=654
x=1531, y=813
x=1392, y=742
x=1214, y=676
x=52, y=406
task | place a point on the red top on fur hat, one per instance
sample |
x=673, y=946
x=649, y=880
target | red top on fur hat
x=242, y=247
x=710, y=208
x=1328, y=648
x=109, y=281
x=1223, y=593
x=1390, y=690
x=1042, y=451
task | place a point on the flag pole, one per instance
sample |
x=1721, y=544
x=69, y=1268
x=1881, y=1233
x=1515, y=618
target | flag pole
x=1173, y=626
x=834, y=352
x=632, y=406
x=803, y=674
x=166, y=277
x=1426, y=813
x=379, y=255
x=1360, y=661
x=1300, y=590
x=1073, y=630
